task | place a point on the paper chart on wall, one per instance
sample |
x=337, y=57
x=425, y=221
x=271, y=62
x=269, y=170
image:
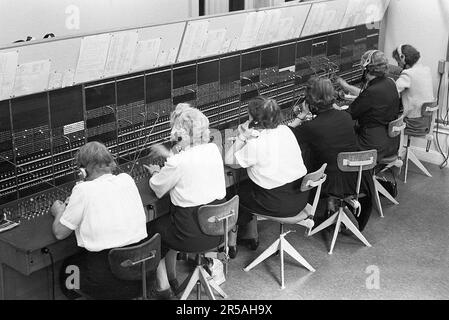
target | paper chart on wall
x=55, y=80
x=8, y=67
x=194, y=39
x=162, y=58
x=120, y=53
x=268, y=29
x=171, y=57
x=31, y=77
x=285, y=30
x=214, y=42
x=145, y=56
x=325, y=16
x=92, y=57
x=68, y=78
x=251, y=28
x=359, y=12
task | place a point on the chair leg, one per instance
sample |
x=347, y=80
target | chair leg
x=281, y=257
x=418, y=163
x=383, y=191
x=217, y=288
x=336, y=230
x=295, y=254
x=325, y=224
x=348, y=223
x=192, y=282
x=205, y=283
x=406, y=162
x=376, y=197
x=264, y=255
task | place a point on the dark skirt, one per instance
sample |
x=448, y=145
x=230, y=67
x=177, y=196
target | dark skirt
x=284, y=201
x=181, y=231
x=377, y=138
x=417, y=126
x=96, y=278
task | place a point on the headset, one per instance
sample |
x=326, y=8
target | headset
x=400, y=53
x=369, y=59
x=82, y=173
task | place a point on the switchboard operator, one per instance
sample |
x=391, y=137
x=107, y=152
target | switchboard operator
x=330, y=132
x=106, y=212
x=193, y=175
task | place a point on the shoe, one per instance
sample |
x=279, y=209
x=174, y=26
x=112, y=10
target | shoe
x=162, y=295
x=253, y=244
x=232, y=252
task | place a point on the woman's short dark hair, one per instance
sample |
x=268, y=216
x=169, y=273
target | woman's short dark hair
x=95, y=155
x=410, y=53
x=320, y=93
x=265, y=112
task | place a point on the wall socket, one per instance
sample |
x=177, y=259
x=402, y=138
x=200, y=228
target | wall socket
x=441, y=66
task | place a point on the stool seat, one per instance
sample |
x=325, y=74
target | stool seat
x=289, y=220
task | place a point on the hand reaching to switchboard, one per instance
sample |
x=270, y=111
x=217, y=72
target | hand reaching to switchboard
x=152, y=168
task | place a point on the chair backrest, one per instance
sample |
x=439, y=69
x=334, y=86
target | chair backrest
x=395, y=127
x=211, y=218
x=357, y=161
x=314, y=180
x=126, y=263
x=429, y=108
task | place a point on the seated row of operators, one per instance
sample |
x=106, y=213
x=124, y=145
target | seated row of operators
x=105, y=210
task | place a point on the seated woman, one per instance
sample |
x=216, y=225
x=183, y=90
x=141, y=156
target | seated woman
x=106, y=212
x=272, y=157
x=193, y=175
x=414, y=84
x=323, y=138
x=376, y=106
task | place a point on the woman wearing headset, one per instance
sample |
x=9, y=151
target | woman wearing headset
x=193, y=175
x=376, y=105
x=105, y=211
x=414, y=84
x=272, y=157
x=323, y=138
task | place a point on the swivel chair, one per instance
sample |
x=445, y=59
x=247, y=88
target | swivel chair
x=214, y=220
x=349, y=162
x=136, y=262
x=428, y=111
x=310, y=181
x=395, y=128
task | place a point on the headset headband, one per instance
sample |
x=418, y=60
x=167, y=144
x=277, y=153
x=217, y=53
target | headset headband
x=401, y=55
x=369, y=59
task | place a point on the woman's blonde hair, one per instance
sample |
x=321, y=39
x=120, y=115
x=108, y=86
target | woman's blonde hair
x=191, y=125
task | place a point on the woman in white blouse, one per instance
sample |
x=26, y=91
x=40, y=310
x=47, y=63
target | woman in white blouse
x=105, y=211
x=193, y=175
x=271, y=154
x=414, y=84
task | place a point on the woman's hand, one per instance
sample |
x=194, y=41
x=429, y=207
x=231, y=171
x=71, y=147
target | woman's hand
x=246, y=133
x=57, y=208
x=342, y=83
x=152, y=168
x=160, y=150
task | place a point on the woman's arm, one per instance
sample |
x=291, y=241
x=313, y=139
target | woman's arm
x=355, y=91
x=59, y=230
x=230, y=159
x=166, y=179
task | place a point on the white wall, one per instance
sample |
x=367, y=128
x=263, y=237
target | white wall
x=20, y=18
x=422, y=23
x=425, y=25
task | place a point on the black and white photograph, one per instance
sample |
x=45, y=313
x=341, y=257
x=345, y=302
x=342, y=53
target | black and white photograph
x=243, y=151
